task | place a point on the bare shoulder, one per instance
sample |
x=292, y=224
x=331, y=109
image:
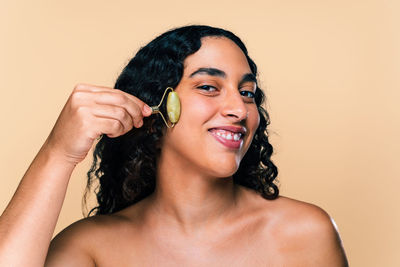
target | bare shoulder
x=287, y=209
x=308, y=233
x=303, y=219
x=78, y=244
x=301, y=231
x=299, y=214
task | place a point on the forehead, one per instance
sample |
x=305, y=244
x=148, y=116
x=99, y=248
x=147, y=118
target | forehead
x=220, y=53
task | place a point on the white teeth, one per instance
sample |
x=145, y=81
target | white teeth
x=228, y=135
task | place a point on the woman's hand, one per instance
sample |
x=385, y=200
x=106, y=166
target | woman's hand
x=90, y=112
x=28, y=222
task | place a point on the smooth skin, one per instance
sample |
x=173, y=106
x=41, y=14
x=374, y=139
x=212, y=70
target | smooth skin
x=197, y=216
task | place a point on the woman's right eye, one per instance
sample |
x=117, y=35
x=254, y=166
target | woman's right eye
x=208, y=88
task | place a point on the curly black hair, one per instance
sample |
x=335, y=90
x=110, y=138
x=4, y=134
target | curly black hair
x=125, y=167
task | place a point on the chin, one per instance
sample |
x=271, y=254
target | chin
x=221, y=170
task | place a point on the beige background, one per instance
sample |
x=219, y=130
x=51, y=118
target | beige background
x=330, y=68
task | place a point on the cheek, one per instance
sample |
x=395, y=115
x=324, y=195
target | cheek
x=196, y=110
x=191, y=127
x=253, y=118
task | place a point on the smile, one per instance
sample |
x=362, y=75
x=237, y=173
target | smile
x=228, y=135
x=227, y=138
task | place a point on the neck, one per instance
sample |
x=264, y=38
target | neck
x=189, y=199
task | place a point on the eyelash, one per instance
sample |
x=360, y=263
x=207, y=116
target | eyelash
x=208, y=86
x=252, y=95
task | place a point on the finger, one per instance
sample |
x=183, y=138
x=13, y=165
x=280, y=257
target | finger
x=146, y=110
x=116, y=113
x=91, y=88
x=110, y=127
x=91, y=100
x=132, y=107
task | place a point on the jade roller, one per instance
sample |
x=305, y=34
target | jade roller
x=173, y=107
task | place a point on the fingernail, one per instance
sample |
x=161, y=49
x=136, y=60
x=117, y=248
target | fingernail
x=140, y=124
x=147, y=109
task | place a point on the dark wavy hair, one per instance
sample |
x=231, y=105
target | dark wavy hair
x=123, y=171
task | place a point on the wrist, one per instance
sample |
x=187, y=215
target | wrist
x=56, y=156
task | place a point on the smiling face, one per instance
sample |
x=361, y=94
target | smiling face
x=218, y=114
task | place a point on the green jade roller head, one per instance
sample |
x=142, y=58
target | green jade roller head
x=173, y=107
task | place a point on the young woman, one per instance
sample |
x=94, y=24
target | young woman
x=198, y=194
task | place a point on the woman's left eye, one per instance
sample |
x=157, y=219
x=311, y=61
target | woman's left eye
x=207, y=88
x=247, y=94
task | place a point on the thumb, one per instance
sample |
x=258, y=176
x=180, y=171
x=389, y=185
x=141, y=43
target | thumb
x=146, y=110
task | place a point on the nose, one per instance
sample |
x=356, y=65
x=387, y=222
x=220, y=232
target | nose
x=234, y=106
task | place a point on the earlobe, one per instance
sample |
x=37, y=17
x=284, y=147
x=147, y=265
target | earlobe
x=173, y=107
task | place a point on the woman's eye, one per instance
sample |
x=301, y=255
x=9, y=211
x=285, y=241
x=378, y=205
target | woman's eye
x=247, y=94
x=207, y=88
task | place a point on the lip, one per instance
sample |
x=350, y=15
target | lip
x=230, y=128
x=228, y=143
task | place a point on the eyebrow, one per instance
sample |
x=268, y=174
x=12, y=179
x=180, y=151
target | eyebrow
x=248, y=77
x=209, y=71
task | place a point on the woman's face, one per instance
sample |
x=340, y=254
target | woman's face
x=218, y=114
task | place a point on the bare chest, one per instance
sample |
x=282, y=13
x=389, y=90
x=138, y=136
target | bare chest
x=240, y=249
x=234, y=253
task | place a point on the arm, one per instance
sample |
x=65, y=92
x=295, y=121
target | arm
x=28, y=222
